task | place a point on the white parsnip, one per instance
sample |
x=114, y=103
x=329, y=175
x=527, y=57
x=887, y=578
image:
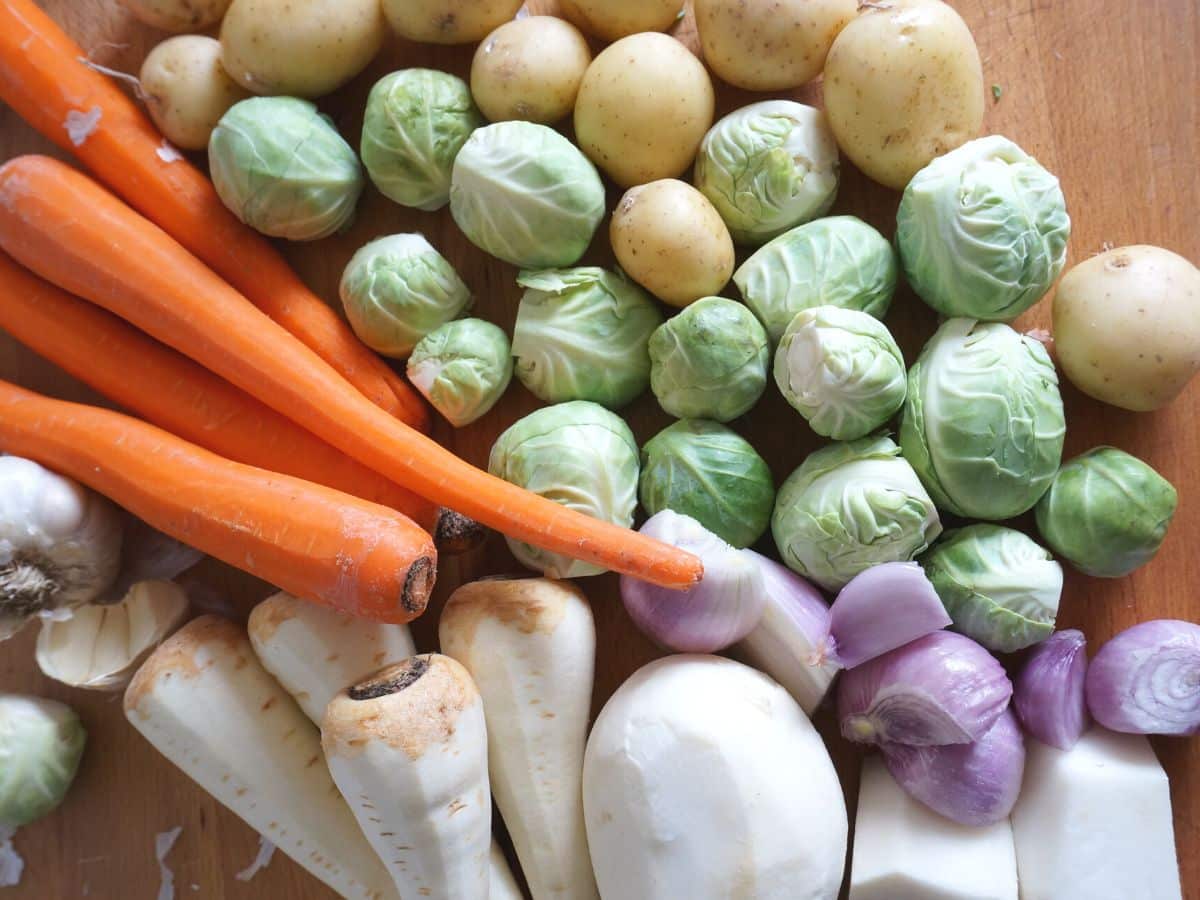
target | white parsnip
x=530, y=645
x=501, y=883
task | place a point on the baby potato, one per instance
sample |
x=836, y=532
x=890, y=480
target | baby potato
x=615, y=19
x=302, y=48
x=670, y=240
x=177, y=15
x=769, y=45
x=643, y=108
x=448, y=21
x=903, y=84
x=1127, y=326
x=529, y=69
x=187, y=91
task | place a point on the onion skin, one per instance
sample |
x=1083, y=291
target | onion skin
x=971, y=784
x=1146, y=680
x=1049, y=693
x=882, y=608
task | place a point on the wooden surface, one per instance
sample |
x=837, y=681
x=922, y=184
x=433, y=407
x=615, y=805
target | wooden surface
x=1104, y=92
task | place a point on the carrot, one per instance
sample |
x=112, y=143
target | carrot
x=43, y=78
x=72, y=232
x=312, y=541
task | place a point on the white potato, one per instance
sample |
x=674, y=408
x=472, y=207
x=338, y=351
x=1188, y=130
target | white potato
x=302, y=48
x=903, y=84
x=448, y=21
x=177, y=15
x=1127, y=326
x=187, y=90
x=670, y=240
x=769, y=45
x=529, y=69
x=615, y=19
x=644, y=106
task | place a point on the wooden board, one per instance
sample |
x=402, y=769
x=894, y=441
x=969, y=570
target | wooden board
x=1104, y=92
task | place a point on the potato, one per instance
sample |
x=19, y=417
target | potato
x=1127, y=326
x=448, y=21
x=529, y=69
x=769, y=45
x=177, y=15
x=643, y=108
x=903, y=84
x=670, y=240
x=615, y=19
x=302, y=48
x=186, y=89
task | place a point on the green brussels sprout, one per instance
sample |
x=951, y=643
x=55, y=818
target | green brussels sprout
x=983, y=420
x=841, y=370
x=578, y=454
x=982, y=231
x=582, y=334
x=838, y=261
x=415, y=123
x=706, y=471
x=462, y=368
x=768, y=167
x=526, y=194
x=397, y=289
x=709, y=361
x=1106, y=512
x=282, y=168
x=41, y=743
x=999, y=587
x=851, y=506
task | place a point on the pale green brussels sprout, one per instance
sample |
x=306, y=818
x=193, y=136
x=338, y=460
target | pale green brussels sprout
x=999, y=587
x=415, y=123
x=526, y=194
x=983, y=420
x=709, y=361
x=462, y=368
x=851, y=506
x=841, y=370
x=397, y=289
x=578, y=454
x=582, y=334
x=41, y=743
x=706, y=471
x=768, y=167
x=1106, y=512
x=838, y=261
x=983, y=230
x=283, y=169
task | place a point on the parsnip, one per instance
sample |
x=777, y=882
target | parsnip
x=407, y=747
x=205, y=703
x=501, y=883
x=530, y=644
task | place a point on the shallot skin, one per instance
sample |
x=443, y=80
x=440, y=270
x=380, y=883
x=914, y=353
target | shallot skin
x=1049, y=691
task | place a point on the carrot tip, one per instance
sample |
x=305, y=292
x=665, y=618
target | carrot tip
x=418, y=585
x=456, y=533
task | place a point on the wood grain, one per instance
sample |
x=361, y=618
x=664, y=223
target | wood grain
x=1104, y=92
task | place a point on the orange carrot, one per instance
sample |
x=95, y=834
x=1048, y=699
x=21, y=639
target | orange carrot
x=312, y=541
x=75, y=234
x=43, y=78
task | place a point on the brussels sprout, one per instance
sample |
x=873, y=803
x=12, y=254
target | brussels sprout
x=578, y=454
x=851, y=506
x=983, y=231
x=41, y=743
x=526, y=194
x=416, y=122
x=397, y=289
x=462, y=368
x=283, y=169
x=768, y=167
x=709, y=361
x=841, y=370
x=706, y=471
x=999, y=587
x=1106, y=512
x=582, y=334
x=839, y=261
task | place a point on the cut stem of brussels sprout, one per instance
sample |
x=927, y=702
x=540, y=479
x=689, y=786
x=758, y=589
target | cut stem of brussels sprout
x=883, y=608
x=1048, y=694
x=462, y=368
